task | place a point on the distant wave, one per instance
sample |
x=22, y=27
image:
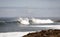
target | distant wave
x=8, y=21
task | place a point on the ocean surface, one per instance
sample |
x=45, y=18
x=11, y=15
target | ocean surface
x=14, y=19
x=11, y=25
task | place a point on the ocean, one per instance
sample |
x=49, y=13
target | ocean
x=11, y=25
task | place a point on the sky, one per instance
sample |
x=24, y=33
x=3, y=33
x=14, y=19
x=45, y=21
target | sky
x=38, y=8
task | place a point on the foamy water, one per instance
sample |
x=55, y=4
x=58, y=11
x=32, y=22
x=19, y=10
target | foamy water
x=34, y=20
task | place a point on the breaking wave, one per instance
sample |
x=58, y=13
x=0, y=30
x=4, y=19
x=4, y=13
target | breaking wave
x=31, y=21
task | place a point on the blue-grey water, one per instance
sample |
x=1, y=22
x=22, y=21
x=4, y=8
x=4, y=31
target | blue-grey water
x=11, y=25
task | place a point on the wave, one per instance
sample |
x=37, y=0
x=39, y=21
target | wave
x=8, y=21
x=31, y=21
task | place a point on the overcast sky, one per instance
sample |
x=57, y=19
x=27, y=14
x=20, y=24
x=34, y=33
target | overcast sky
x=29, y=3
x=53, y=5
